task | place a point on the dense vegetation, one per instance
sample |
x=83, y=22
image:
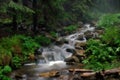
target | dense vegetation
x=104, y=53
x=28, y=24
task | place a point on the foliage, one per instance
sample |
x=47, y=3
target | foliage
x=109, y=20
x=42, y=40
x=7, y=69
x=18, y=47
x=99, y=55
x=16, y=62
x=70, y=28
x=3, y=71
x=78, y=9
x=8, y=42
x=19, y=7
x=111, y=36
x=51, y=12
x=53, y=34
x=28, y=44
x=5, y=21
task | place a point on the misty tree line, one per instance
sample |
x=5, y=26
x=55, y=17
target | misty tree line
x=51, y=14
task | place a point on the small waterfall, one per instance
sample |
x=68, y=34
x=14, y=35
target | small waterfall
x=54, y=55
x=57, y=53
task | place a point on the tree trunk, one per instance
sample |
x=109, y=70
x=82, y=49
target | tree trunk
x=35, y=19
x=25, y=2
x=14, y=20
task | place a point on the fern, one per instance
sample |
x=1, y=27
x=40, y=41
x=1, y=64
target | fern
x=109, y=20
x=19, y=7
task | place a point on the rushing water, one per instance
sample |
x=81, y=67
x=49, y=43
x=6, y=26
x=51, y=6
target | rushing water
x=52, y=57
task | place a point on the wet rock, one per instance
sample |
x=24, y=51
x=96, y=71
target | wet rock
x=76, y=77
x=75, y=58
x=99, y=76
x=70, y=59
x=79, y=45
x=60, y=41
x=63, y=77
x=78, y=56
x=71, y=50
x=80, y=37
x=88, y=35
x=19, y=76
x=80, y=52
x=31, y=57
x=80, y=24
x=99, y=31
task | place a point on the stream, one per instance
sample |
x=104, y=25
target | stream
x=53, y=56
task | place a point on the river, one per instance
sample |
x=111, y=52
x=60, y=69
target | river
x=53, y=57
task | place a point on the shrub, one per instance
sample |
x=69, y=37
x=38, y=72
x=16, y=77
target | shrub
x=16, y=62
x=70, y=28
x=19, y=46
x=5, y=56
x=42, y=40
x=108, y=20
x=28, y=44
x=53, y=34
x=111, y=36
x=99, y=55
x=4, y=71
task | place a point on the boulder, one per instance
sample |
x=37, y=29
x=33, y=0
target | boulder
x=80, y=52
x=89, y=34
x=80, y=37
x=75, y=58
x=80, y=45
x=80, y=24
x=71, y=50
x=31, y=57
x=99, y=31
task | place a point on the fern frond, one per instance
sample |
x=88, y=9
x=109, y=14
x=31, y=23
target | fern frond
x=19, y=7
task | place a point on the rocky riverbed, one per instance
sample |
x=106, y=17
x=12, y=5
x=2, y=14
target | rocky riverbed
x=64, y=61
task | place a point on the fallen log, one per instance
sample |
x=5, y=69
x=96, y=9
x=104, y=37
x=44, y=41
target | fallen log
x=50, y=74
x=80, y=70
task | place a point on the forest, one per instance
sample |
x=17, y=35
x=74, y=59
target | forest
x=59, y=39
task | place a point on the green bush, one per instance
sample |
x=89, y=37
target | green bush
x=16, y=62
x=70, y=28
x=102, y=53
x=7, y=69
x=111, y=36
x=19, y=46
x=29, y=44
x=5, y=56
x=53, y=34
x=109, y=20
x=99, y=55
x=4, y=71
x=8, y=42
x=42, y=40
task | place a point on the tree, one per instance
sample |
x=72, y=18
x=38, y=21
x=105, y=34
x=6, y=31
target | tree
x=78, y=9
x=51, y=11
x=16, y=9
x=14, y=19
x=35, y=15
